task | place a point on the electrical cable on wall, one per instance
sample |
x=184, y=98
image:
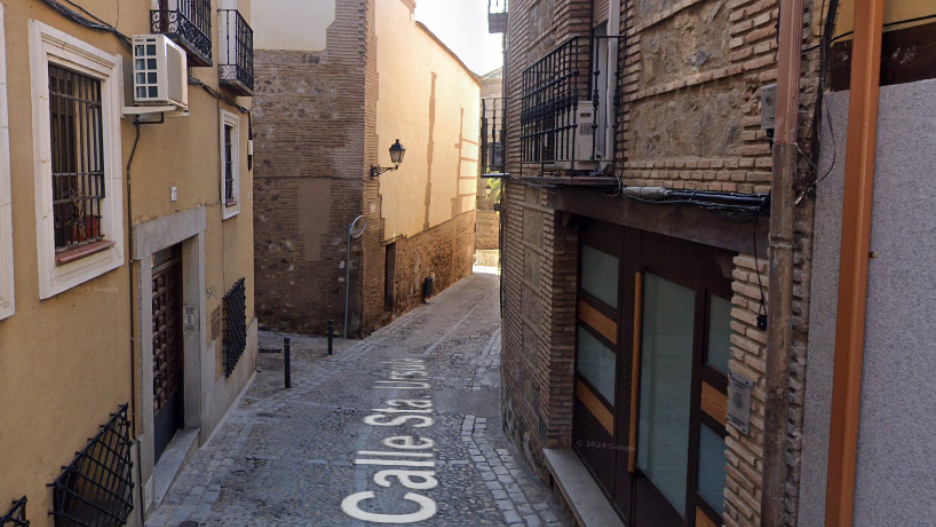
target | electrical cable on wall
x=97, y=24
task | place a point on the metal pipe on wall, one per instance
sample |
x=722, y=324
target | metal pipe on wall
x=780, y=306
x=853, y=266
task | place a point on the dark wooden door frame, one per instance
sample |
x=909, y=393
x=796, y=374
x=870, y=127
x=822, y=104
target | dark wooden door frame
x=707, y=271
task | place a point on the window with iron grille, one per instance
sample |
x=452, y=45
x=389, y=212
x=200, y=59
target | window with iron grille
x=16, y=517
x=78, y=191
x=229, y=198
x=76, y=101
x=96, y=489
x=235, y=326
x=230, y=164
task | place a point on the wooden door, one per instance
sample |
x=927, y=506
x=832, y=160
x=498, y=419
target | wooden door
x=168, y=359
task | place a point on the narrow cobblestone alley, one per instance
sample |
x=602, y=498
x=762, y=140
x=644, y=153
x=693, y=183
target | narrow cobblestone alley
x=287, y=457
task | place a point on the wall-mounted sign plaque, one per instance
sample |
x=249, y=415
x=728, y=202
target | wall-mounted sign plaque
x=739, y=401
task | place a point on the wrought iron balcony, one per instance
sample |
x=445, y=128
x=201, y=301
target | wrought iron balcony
x=565, y=125
x=188, y=23
x=497, y=16
x=236, y=55
x=492, y=136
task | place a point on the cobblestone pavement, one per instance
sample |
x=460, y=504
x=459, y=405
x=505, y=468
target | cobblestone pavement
x=287, y=457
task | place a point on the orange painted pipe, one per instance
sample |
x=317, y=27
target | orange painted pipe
x=855, y=253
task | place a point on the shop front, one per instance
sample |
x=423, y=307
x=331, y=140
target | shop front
x=652, y=353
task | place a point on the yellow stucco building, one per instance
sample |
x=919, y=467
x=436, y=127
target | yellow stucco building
x=127, y=324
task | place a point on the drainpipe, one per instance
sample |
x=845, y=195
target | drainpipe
x=853, y=267
x=780, y=306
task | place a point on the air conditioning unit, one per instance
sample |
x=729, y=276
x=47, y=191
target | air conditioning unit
x=160, y=73
x=583, y=141
x=585, y=134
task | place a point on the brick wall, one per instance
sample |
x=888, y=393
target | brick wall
x=309, y=137
x=691, y=78
x=315, y=124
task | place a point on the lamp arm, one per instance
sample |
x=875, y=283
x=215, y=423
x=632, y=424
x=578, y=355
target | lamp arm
x=376, y=170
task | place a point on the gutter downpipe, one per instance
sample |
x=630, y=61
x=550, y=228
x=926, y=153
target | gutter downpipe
x=853, y=266
x=780, y=284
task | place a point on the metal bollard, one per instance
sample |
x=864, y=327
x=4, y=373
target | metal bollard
x=331, y=335
x=286, y=371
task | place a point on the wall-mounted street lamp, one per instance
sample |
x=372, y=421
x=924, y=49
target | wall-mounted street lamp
x=396, y=157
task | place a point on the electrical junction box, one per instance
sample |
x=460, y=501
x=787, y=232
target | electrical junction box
x=768, y=107
x=160, y=72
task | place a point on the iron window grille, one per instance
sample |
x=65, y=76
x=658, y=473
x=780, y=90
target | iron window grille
x=562, y=115
x=235, y=326
x=497, y=16
x=236, y=60
x=492, y=135
x=77, y=157
x=188, y=23
x=16, y=517
x=96, y=489
x=229, y=197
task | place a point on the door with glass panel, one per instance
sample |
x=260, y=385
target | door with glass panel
x=679, y=365
x=598, y=350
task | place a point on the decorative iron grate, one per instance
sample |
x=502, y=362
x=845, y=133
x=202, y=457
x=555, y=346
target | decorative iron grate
x=235, y=326
x=96, y=489
x=188, y=23
x=236, y=56
x=17, y=515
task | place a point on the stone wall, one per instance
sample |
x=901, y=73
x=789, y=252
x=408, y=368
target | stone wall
x=444, y=252
x=309, y=137
x=488, y=232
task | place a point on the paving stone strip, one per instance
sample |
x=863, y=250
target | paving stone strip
x=291, y=457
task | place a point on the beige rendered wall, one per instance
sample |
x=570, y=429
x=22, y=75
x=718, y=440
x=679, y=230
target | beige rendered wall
x=66, y=362
x=292, y=25
x=894, y=11
x=423, y=88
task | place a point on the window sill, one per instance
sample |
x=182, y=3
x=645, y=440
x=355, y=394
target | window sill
x=77, y=253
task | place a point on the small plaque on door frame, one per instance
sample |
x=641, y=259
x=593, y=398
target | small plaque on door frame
x=739, y=401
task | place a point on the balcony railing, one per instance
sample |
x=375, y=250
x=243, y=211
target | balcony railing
x=497, y=16
x=564, y=118
x=188, y=23
x=236, y=56
x=492, y=136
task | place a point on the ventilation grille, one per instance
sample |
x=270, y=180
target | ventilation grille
x=235, y=326
x=96, y=489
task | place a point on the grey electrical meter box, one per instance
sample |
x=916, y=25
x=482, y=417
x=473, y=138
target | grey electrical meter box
x=768, y=107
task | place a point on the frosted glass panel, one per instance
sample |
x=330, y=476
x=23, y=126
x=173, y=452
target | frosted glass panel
x=665, y=386
x=596, y=363
x=600, y=275
x=712, y=468
x=719, y=333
